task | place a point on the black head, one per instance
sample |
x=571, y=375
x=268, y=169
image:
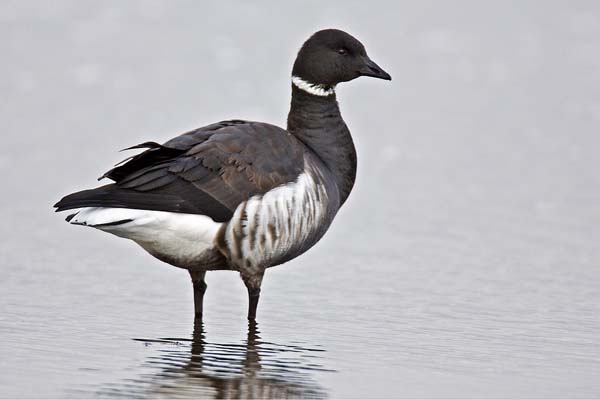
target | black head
x=332, y=56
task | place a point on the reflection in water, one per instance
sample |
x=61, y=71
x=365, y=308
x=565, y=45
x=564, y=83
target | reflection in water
x=198, y=368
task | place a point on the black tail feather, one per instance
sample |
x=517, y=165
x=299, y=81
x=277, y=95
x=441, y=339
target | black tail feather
x=114, y=223
x=177, y=196
x=113, y=196
x=70, y=217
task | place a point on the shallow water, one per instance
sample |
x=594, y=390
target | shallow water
x=465, y=264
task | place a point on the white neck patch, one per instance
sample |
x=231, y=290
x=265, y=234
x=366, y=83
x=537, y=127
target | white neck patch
x=314, y=89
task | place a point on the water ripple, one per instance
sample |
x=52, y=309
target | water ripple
x=195, y=367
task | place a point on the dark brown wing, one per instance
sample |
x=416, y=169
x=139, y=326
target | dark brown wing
x=208, y=171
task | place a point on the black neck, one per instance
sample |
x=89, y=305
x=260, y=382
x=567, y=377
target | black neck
x=317, y=122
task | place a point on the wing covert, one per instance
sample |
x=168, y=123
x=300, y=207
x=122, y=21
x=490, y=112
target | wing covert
x=209, y=171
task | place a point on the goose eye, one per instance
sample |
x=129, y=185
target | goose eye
x=342, y=51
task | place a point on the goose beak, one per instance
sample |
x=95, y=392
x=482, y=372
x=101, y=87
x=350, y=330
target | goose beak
x=371, y=69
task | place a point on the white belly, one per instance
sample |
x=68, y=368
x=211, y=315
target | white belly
x=182, y=238
x=263, y=231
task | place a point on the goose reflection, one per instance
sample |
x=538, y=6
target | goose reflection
x=201, y=369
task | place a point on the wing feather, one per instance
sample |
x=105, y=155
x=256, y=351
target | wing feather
x=208, y=171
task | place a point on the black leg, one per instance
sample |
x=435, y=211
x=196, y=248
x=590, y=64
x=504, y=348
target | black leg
x=199, y=290
x=253, y=283
x=253, y=296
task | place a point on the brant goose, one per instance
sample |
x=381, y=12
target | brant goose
x=240, y=195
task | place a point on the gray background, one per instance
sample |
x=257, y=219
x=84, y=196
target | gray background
x=465, y=264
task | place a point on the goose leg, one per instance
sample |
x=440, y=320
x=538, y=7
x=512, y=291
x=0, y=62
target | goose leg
x=199, y=290
x=253, y=283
